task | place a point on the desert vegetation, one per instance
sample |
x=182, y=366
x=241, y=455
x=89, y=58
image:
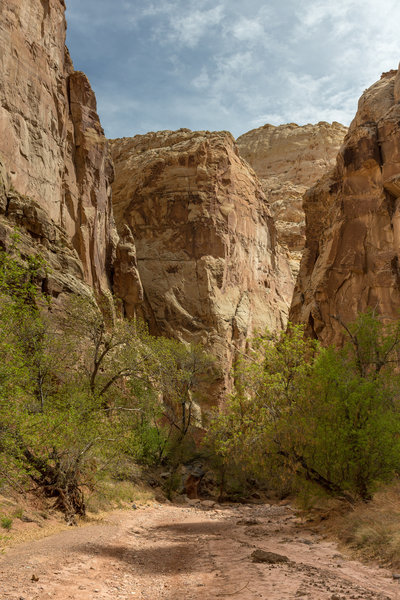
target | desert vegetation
x=305, y=415
x=85, y=396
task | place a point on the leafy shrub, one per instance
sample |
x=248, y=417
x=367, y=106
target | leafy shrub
x=83, y=392
x=6, y=522
x=330, y=416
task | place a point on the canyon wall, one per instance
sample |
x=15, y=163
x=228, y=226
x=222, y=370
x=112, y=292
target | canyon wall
x=206, y=249
x=196, y=251
x=351, y=260
x=289, y=159
x=55, y=159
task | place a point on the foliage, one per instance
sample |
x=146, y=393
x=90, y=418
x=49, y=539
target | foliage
x=19, y=275
x=6, y=522
x=330, y=416
x=372, y=529
x=180, y=371
x=110, y=493
x=247, y=434
x=83, y=391
x=83, y=395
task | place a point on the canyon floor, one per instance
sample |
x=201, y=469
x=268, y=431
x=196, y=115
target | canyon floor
x=190, y=553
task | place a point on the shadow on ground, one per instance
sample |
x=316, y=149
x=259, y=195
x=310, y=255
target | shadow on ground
x=194, y=528
x=171, y=558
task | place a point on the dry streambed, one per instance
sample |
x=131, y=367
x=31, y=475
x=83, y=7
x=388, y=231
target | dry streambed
x=182, y=553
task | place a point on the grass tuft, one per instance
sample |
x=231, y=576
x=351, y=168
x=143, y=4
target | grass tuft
x=116, y=494
x=372, y=530
x=6, y=522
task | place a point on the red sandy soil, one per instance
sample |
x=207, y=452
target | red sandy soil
x=189, y=553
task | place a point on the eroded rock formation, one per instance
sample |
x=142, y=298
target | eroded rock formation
x=289, y=159
x=206, y=245
x=52, y=145
x=351, y=260
x=38, y=234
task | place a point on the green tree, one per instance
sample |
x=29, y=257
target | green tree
x=182, y=372
x=81, y=390
x=354, y=397
x=327, y=415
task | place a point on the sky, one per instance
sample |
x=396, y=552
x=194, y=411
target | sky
x=230, y=64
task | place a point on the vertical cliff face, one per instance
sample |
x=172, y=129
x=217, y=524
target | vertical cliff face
x=289, y=159
x=205, y=242
x=51, y=141
x=352, y=255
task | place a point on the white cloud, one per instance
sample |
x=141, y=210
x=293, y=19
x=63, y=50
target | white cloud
x=184, y=25
x=202, y=80
x=233, y=65
x=152, y=9
x=272, y=118
x=315, y=13
x=189, y=29
x=247, y=30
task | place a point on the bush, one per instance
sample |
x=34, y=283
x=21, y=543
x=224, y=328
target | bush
x=82, y=392
x=372, y=530
x=330, y=416
x=6, y=522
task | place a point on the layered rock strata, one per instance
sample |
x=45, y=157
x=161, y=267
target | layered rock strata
x=289, y=159
x=51, y=141
x=27, y=226
x=352, y=256
x=206, y=249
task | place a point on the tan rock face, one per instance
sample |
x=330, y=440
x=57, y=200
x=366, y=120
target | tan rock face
x=205, y=241
x=51, y=141
x=288, y=160
x=39, y=235
x=351, y=260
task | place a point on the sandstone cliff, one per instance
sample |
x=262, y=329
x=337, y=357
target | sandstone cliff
x=52, y=146
x=289, y=159
x=351, y=260
x=206, y=245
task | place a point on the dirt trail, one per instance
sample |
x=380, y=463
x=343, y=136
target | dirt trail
x=189, y=553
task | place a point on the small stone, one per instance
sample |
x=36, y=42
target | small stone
x=26, y=519
x=271, y=558
x=193, y=501
x=208, y=503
